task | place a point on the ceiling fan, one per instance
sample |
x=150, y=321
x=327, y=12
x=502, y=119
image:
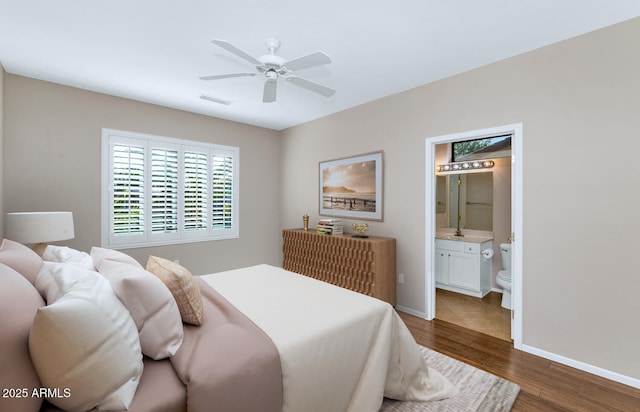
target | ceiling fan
x=273, y=67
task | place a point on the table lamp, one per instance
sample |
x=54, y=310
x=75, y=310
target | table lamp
x=39, y=228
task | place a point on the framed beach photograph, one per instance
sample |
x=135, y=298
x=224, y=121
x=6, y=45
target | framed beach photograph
x=351, y=187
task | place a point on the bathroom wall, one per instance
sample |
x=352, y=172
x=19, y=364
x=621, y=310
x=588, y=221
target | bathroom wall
x=501, y=211
x=479, y=201
x=441, y=157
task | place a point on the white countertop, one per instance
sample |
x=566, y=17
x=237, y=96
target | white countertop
x=468, y=236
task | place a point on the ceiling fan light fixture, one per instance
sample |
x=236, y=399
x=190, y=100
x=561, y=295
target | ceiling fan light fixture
x=271, y=74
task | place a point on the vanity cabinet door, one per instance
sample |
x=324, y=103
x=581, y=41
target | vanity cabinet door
x=442, y=266
x=460, y=267
x=463, y=270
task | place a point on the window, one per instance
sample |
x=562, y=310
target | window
x=158, y=190
x=478, y=149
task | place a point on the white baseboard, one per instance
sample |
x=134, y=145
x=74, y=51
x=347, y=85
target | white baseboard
x=412, y=312
x=497, y=290
x=607, y=374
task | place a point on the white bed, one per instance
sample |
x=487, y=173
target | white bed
x=340, y=350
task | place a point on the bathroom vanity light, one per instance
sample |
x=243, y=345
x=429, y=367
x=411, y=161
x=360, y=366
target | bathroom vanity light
x=461, y=166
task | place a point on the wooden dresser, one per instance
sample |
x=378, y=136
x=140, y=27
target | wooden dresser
x=366, y=265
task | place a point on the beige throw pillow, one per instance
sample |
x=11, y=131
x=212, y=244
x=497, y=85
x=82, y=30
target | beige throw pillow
x=182, y=285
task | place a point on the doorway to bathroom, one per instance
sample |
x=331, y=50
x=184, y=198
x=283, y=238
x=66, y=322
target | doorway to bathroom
x=451, y=212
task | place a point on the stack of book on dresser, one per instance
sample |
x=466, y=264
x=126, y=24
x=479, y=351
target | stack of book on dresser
x=330, y=226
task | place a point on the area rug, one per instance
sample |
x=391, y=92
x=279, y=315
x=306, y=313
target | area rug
x=479, y=390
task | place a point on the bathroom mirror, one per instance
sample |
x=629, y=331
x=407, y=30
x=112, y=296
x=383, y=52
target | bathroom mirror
x=467, y=196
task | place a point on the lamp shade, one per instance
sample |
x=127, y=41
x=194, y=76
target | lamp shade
x=39, y=227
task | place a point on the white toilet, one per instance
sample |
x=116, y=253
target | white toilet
x=503, y=279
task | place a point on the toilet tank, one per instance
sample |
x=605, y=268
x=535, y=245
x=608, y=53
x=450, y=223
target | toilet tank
x=505, y=254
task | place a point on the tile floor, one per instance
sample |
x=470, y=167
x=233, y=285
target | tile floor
x=483, y=315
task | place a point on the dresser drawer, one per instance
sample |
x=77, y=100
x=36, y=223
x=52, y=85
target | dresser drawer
x=367, y=266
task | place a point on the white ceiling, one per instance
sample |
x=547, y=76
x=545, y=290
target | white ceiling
x=155, y=50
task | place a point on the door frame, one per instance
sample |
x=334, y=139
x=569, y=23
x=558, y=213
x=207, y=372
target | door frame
x=516, y=218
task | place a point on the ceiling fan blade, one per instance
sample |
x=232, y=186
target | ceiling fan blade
x=309, y=85
x=310, y=60
x=270, y=88
x=226, y=76
x=233, y=49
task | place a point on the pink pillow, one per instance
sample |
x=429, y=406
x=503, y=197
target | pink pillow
x=99, y=254
x=19, y=301
x=21, y=259
x=151, y=305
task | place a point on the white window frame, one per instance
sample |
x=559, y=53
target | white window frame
x=110, y=137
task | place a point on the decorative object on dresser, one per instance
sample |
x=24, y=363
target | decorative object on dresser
x=351, y=187
x=361, y=229
x=305, y=222
x=366, y=265
x=330, y=227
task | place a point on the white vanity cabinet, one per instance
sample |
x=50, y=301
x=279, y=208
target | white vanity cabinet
x=461, y=267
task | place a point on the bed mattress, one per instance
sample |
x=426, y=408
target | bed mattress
x=339, y=350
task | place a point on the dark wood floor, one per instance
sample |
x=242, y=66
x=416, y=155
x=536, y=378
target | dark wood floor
x=545, y=385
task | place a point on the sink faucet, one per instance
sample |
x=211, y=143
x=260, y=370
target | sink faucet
x=458, y=232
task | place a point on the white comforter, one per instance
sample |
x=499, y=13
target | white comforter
x=340, y=350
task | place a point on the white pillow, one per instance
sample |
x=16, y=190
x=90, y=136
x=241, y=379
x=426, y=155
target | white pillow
x=64, y=254
x=55, y=279
x=151, y=305
x=85, y=340
x=99, y=254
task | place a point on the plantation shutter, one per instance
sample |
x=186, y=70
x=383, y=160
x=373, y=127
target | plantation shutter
x=222, y=196
x=128, y=189
x=164, y=190
x=196, y=198
x=160, y=190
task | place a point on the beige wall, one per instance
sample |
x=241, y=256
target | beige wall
x=578, y=103
x=53, y=142
x=2, y=195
